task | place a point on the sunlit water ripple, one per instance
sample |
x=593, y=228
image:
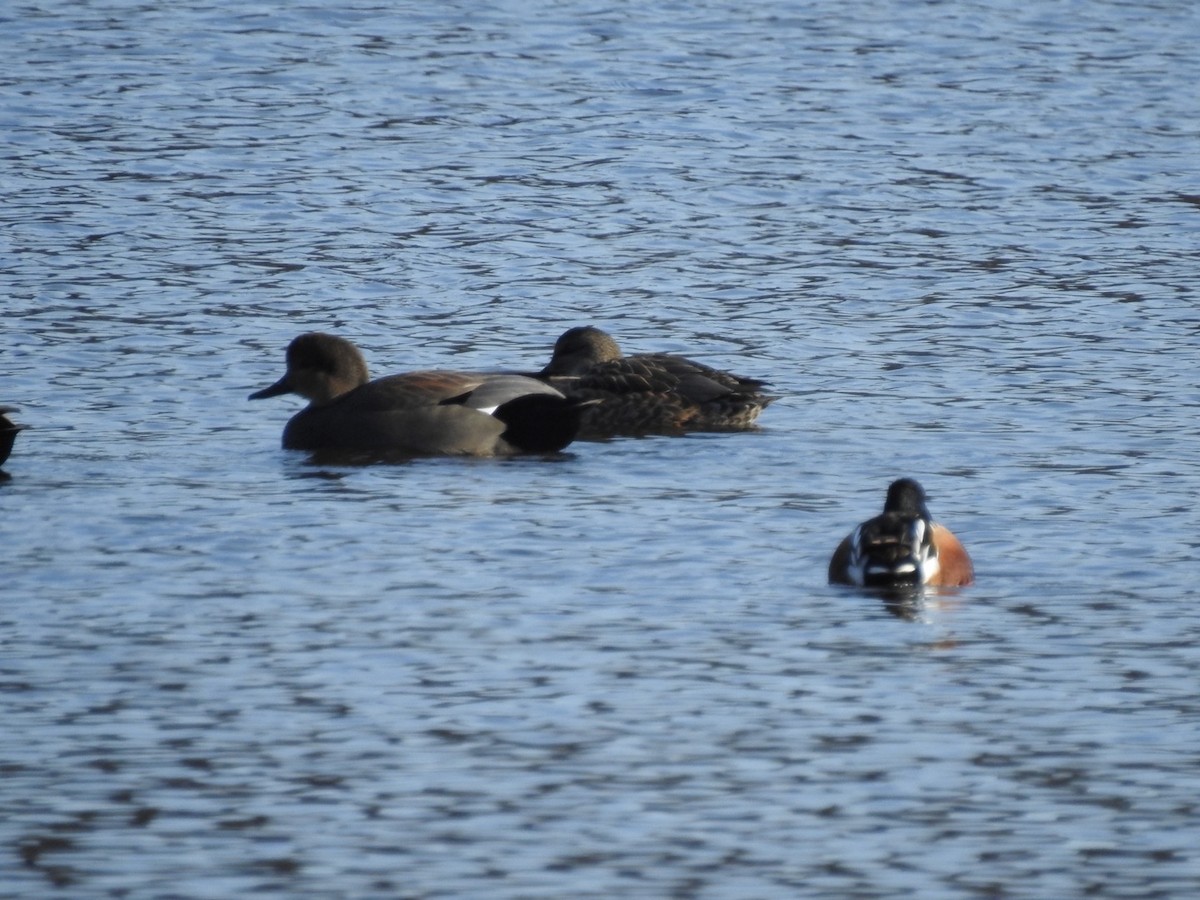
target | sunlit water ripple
x=959, y=239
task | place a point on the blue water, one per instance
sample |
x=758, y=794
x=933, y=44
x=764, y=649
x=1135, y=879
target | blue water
x=960, y=239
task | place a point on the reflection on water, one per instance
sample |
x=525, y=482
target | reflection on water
x=958, y=246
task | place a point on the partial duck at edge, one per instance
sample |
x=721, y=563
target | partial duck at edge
x=8, y=432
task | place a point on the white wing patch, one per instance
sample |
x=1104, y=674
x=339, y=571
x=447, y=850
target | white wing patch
x=919, y=563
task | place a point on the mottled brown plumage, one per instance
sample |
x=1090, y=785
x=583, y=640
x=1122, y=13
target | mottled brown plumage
x=655, y=393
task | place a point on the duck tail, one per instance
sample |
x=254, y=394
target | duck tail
x=541, y=423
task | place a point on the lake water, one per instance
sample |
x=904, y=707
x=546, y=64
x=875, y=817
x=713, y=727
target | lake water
x=961, y=241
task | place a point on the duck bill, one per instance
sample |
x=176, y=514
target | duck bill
x=282, y=386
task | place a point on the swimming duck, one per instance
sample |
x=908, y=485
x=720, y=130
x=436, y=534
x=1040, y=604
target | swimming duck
x=654, y=393
x=8, y=432
x=902, y=547
x=418, y=413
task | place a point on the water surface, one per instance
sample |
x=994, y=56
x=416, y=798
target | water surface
x=960, y=240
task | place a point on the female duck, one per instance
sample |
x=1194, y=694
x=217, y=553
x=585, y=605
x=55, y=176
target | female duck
x=655, y=393
x=418, y=413
x=901, y=548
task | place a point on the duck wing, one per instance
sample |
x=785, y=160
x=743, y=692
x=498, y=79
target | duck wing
x=496, y=389
x=662, y=373
x=412, y=390
x=892, y=549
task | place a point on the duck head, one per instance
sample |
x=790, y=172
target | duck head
x=320, y=368
x=579, y=349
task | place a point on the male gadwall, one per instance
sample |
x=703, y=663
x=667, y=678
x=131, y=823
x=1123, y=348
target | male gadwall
x=8, y=432
x=418, y=413
x=901, y=548
x=651, y=393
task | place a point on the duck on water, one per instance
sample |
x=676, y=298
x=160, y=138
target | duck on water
x=8, y=434
x=649, y=393
x=425, y=413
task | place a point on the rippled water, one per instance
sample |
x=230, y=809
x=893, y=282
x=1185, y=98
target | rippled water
x=959, y=238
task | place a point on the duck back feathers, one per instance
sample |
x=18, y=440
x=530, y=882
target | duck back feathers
x=653, y=393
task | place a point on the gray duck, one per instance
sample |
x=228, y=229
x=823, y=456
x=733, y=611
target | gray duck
x=418, y=413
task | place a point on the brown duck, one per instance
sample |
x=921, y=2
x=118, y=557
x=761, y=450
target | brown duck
x=654, y=393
